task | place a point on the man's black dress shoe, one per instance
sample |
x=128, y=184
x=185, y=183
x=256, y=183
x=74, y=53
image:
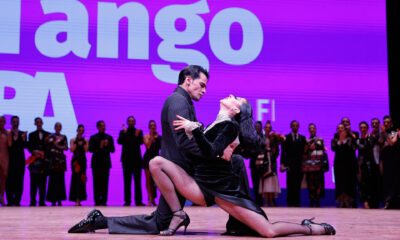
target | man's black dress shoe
x=86, y=225
x=94, y=214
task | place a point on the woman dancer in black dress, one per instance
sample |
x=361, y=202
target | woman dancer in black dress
x=79, y=146
x=214, y=181
x=153, y=146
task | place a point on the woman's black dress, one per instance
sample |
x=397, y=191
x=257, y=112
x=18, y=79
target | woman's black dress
x=56, y=188
x=153, y=151
x=214, y=175
x=369, y=182
x=345, y=168
x=78, y=180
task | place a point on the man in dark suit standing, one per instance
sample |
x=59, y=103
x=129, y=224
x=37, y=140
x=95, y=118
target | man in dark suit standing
x=101, y=145
x=38, y=168
x=292, y=156
x=131, y=138
x=16, y=170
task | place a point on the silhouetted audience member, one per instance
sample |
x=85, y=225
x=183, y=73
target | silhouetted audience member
x=390, y=163
x=101, y=145
x=153, y=146
x=291, y=159
x=345, y=167
x=79, y=146
x=39, y=165
x=255, y=176
x=16, y=170
x=312, y=166
x=368, y=169
x=57, y=143
x=131, y=138
x=269, y=183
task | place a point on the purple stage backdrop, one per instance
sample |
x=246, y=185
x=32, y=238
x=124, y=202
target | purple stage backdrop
x=78, y=62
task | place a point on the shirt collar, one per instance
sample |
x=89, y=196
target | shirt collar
x=183, y=92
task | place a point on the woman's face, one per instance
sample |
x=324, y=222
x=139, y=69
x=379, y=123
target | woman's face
x=231, y=102
x=363, y=128
x=81, y=130
x=340, y=128
x=57, y=127
x=267, y=128
x=152, y=126
x=387, y=123
x=258, y=127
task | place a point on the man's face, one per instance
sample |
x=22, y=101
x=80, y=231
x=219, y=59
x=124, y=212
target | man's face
x=375, y=123
x=152, y=126
x=15, y=123
x=295, y=127
x=2, y=122
x=258, y=128
x=387, y=123
x=312, y=129
x=39, y=123
x=101, y=127
x=196, y=88
x=131, y=122
x=346, y=123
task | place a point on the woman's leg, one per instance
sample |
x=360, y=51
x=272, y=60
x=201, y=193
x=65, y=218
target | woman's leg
x=170, y=178
x=148, y=187
x=261, y=225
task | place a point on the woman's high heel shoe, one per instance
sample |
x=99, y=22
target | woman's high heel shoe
x=329, y=229
x=185, y=222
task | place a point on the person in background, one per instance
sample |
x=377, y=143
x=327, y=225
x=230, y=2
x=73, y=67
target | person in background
x=101, y=145
x=312, y=166
x=390, y=164
x=291, y=159
x=5, y=142
x=16, y=170
x=131, y=138
x=368, y=169
x=345, y=167
x=38, y=166
x=269, y=183
x=79, y=146
x=255, y=177
x=375, y=135
x=152, y=141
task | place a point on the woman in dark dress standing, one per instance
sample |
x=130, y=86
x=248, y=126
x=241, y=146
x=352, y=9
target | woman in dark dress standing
x=390, y=162
x=345, y=167
x=214, y=180
x=152, y=141
x=368, y=169
x=79, y=146
x=57, y=144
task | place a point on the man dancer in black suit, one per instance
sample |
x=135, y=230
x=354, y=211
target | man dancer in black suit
x=38, y=168
x=16, y=170
x=176, y=147
x=131, y=138
x=101, y=145
x=292, y=156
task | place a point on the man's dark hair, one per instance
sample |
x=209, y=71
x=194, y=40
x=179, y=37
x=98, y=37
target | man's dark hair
x=387, y=117
x=38, y=118
x=376, y=119
x=312, y=124
x=193, y=71
x=130, y=117
x=13, y=117
x=80, y=126
x=363, y=122
x=258, y=122
x=98, y=123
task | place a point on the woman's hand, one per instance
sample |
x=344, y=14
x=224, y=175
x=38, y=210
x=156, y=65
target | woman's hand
x=183, y=123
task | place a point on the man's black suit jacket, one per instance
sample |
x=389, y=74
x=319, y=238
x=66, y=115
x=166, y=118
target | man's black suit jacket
x=292, y=152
